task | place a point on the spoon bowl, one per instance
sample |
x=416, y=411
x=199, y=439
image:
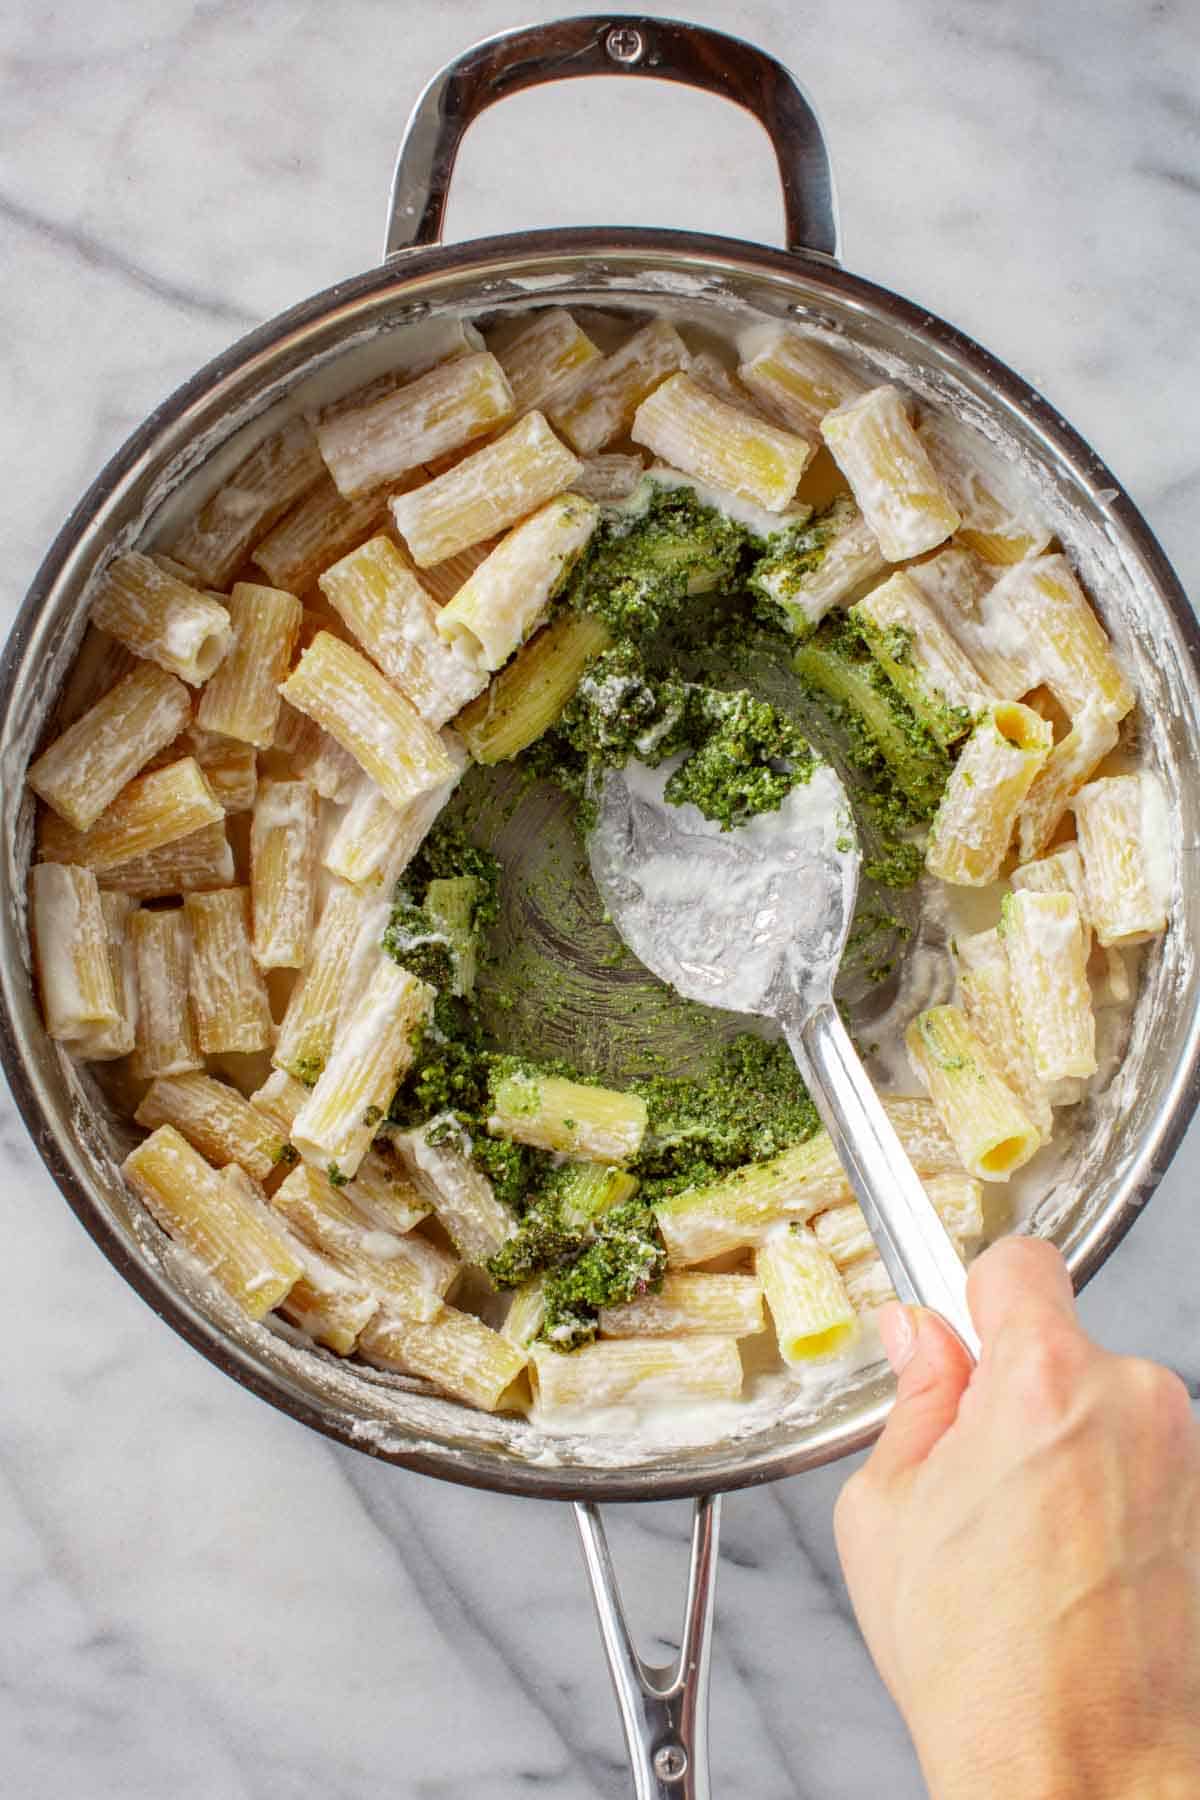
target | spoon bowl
x=754, y=920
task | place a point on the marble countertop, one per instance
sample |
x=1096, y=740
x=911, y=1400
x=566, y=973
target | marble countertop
x=199, y=1597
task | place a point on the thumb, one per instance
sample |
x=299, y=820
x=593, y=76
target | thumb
x=932, y=1371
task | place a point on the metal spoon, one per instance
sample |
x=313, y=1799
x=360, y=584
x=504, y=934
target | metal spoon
x=754, y=920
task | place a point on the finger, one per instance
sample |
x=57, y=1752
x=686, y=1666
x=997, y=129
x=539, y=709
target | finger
x=1019, y=1278
x=932, y=1371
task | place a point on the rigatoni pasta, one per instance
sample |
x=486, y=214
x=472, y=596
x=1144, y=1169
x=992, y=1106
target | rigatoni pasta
x=283, y=873
x=156, y=809
x=521, y=703
x=890, y=474
x=399, y=625
x=454, y=402
x=70, y=944
x=989, y=1127
x=348, y=697
x=165, y=1039
x=242, y=698
x=485, y=493
x=971, y=834
x=497, y=607
x=692, y=430
x=1123, y=838
x=259, y=491
x=601, y=406
x=158, y=616
x=86, y=768
x=227, y=993
x=216, y=1121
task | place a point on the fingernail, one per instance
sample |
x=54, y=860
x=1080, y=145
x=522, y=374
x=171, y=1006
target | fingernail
x=898, y=1329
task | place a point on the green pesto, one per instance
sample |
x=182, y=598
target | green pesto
x=307, y=1069
x=899, y=864
x=792, y=554
x=892, y=645
x=448, y=852
x=336, y=1177
x=751, y=1105
x=624, y=1259
x=286, y=1154
x=953, y=1062
x=904, y=765
x=871, y=945
x=414, y=942
x=642, y=563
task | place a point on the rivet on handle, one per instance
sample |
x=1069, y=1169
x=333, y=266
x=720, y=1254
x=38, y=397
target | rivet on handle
x=624, y=44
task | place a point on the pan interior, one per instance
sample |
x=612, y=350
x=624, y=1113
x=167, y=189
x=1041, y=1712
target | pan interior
x=607, y=1013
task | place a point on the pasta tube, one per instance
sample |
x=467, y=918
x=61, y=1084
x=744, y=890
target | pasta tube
x=307, y=1029
x=409, y=1275
x=485, y=493
x=529, y=693
x=443, y=579
x=156, y=616
x=740, y=1209
x=322, y=528
x=868, y=1284
x=985, y=988
x=450, y=904
x=989, y=1127
x=260, y=490
x=598, y=1124
x=546, y=359
x=104, y=1043
x=165, y=1040
x=230, y=768
x=385, y=1194
x=844, y=559
x=231, y=1239
x=216, y=1121
x=201, y=860
x=151, y=811
x=85, y=769
x=242, y=699
x=812, y=1312
x=374, y=843
x=635, y=1371
x=798, y=380
x=691, y=429
x=459, y=1193
x=527, y=1314
x=399, y=626
x=689, y=1303
x=601, y=406
x=890, y=474
x=70, y=948
x=973, y=829
x=1124, y=838
x=1061, y=872
x=350, y=699
x=921, y=659
x=283, y=873
x=228, y=996
x=440, y=411
x=498, y=606
x=992, y=526
x=312, y=754
x=101, y=663
x=843, y=1232
x=454, y=1351
x=1047, y=959
x=327, y=1305
x=1070, y=763
x=370, y=1055
x=1072, y=653
x=957, y=587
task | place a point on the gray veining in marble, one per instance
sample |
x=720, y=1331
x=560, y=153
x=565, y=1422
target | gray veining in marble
x=199, y=1598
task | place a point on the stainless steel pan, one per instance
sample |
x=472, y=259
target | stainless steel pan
x=337, y=339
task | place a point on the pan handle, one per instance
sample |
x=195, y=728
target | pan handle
x=664, y=1711
x=612, y=44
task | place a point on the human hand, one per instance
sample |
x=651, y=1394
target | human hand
x=1022, y=1548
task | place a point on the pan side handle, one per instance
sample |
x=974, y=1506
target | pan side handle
x=664, y=1711
x=612, y=44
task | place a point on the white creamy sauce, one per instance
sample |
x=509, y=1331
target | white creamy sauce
x=389, y=1412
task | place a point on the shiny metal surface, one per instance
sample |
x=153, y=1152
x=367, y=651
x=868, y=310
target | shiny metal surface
x=924, y=1265
x=330, y=340
x=1116, y=1174
x=612, y=44
x=664, y=1710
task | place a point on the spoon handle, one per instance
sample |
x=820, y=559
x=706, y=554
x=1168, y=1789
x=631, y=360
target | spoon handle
x=922, y=1262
